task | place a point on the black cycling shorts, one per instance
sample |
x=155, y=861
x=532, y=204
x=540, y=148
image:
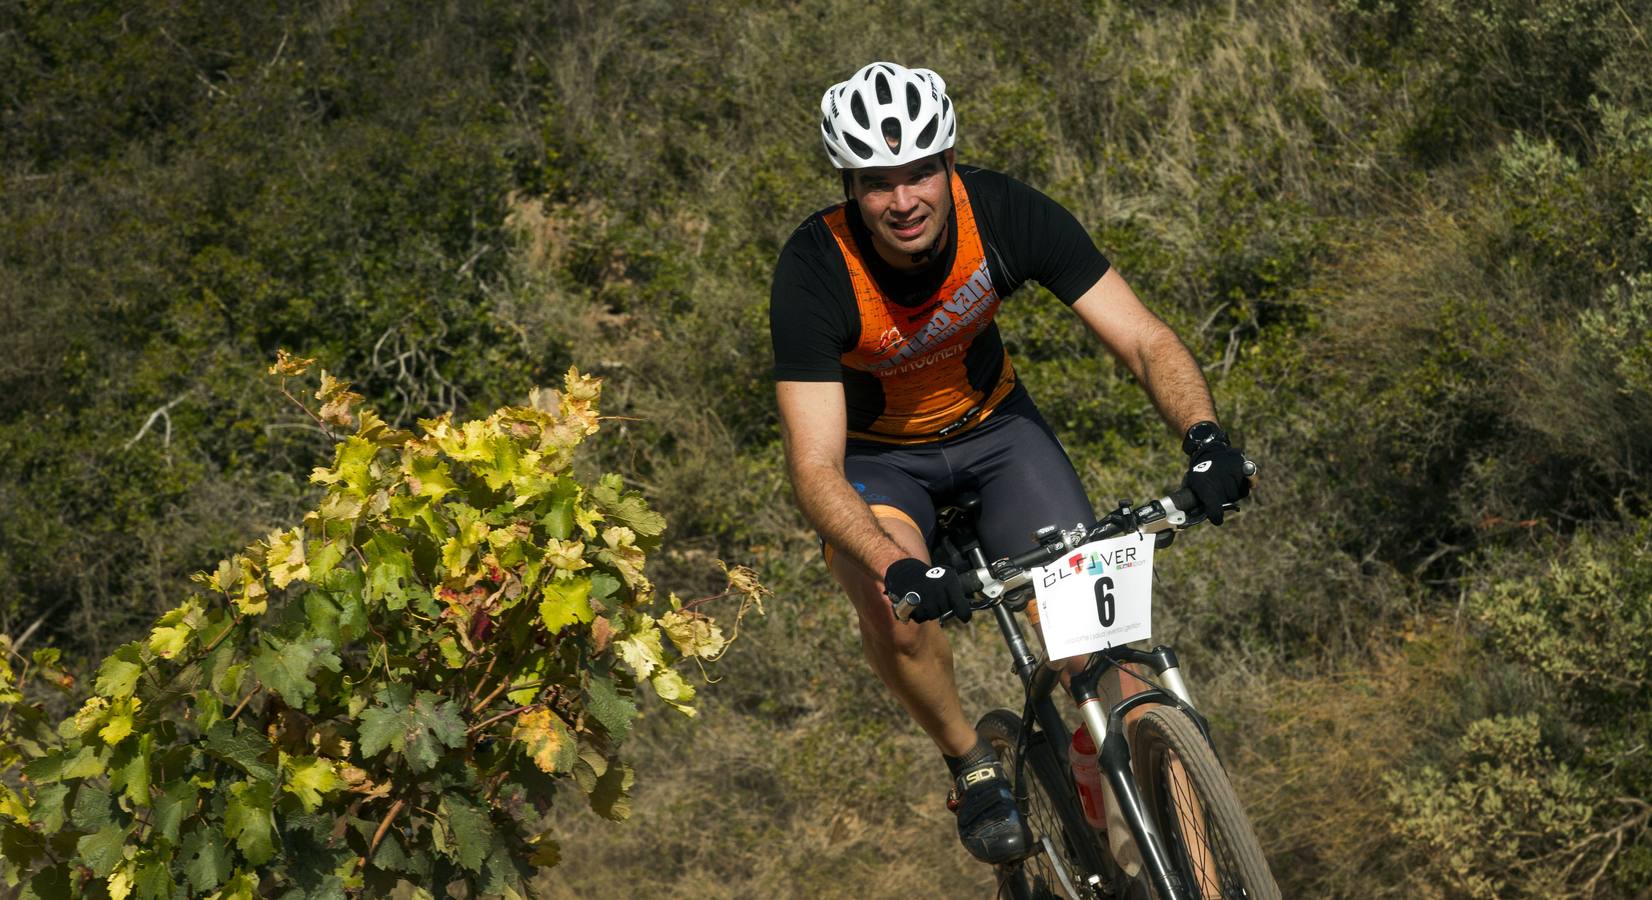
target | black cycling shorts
x=1012, y=460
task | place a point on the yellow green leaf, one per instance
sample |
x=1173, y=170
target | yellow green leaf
x=586, y=518
x=118, y=676
x=172, y=631
x=285, y=559
x=12, y=807
x=641, y=648
x=120, y=881
x=501, y=461
x=89, y=716
x=428, y=476
x=547, y=740
x=693, y=633
x=8, y=681
x=352, y=466
x=567, y=556
x=565, y=603
x=469, y=533
x=240, y=887
x=621, y=552
x=249, y=820
x=323, y=556
x=673, y=689
x=376, y=431
x=307, y=778
x=118, y=723
x=253, y=596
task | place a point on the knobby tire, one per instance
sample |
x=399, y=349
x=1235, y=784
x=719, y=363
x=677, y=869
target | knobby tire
x=1212, y=813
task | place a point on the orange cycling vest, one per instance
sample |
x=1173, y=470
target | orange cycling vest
x=917, y=352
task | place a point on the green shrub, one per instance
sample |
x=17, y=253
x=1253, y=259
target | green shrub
x=1506, y=821
x=387, y=694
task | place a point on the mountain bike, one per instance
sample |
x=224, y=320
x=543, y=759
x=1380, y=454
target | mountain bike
x=1192, y=837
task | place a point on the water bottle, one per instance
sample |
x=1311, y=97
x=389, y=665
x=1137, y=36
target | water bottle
x=1087, y=777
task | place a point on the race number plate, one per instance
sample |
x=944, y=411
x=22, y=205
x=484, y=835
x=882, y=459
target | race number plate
x=1097, y=596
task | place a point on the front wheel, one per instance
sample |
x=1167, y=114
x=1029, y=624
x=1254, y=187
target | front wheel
x=1072, y=860
x=1209, y=838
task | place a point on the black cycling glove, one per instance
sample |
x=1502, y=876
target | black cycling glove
x=936, y=589
x=1216, y=475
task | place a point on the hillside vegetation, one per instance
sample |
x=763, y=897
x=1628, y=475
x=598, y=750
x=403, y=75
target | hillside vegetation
x=1410, y=240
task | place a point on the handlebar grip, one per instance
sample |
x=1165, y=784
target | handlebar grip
x=904, y=605
x=1185, y=501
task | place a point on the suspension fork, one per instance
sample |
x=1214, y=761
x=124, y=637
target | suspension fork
x=1115, y=761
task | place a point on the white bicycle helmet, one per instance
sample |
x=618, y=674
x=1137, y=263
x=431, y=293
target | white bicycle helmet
x=886, y=115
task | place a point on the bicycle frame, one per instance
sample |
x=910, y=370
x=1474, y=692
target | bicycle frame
x=1040, y=678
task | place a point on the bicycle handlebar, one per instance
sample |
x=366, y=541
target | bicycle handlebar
x=1177, y=510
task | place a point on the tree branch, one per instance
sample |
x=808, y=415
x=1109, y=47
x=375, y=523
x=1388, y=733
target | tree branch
x=384, y=826
x=159, y=413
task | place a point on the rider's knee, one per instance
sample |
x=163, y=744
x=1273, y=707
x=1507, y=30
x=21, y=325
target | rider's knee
x=891, y=638
x=910, y=640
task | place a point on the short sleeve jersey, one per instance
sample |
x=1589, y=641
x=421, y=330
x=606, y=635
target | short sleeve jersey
x=919, y=354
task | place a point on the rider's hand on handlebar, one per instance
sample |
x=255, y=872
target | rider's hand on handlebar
x=931, y=591
x=1216, y=475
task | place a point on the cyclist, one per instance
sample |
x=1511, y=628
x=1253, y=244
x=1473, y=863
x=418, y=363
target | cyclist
x=895, y=391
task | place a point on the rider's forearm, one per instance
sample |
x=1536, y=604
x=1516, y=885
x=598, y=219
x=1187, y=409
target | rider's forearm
x=1173, y=381
x=842, y=518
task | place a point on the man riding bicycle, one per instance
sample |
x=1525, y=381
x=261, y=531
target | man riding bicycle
x=895, y=392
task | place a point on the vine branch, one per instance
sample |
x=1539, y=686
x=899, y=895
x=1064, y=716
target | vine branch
x=504, y=715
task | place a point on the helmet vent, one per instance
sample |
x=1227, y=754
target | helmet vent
x=927, y=136
x=886, y=115
x=892, y=134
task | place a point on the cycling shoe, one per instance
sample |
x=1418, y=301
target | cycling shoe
x=989, y=824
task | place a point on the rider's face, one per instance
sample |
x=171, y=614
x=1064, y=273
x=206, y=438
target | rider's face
x=905, y=207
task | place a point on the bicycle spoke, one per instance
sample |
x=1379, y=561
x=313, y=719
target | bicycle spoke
x=1044, y=816
x=1213, y=848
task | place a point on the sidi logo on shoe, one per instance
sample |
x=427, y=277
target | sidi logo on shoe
x=976, y=776
x=1202, y=467
x=936, y=572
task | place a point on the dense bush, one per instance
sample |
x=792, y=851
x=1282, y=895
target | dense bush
x=1550, y=803
x=384, y=695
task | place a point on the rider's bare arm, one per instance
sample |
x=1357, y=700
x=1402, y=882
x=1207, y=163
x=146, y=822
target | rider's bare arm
x=814, y=424
x=1149, y=349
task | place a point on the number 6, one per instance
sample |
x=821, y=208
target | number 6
x=1105, y=608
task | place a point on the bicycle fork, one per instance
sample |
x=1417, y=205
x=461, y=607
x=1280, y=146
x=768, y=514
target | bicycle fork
x=1040, y=678
x=1115, y=753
